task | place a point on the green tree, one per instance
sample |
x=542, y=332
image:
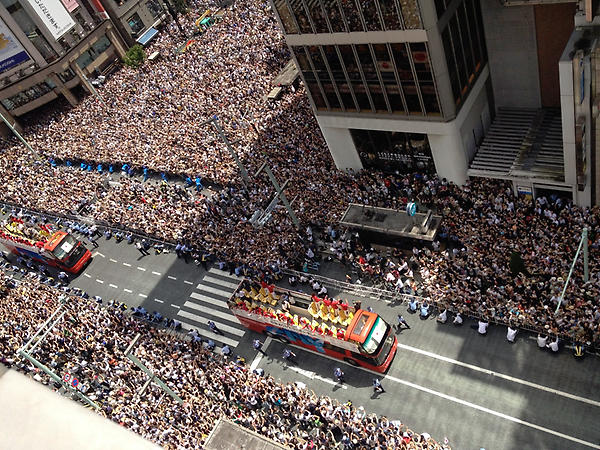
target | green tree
x=135, y=56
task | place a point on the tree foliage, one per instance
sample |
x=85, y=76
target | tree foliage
x=135, y=56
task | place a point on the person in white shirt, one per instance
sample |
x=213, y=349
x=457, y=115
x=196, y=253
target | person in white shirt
x=458, y=320
x=542, y=341
x=553, y=345
x=511, y=333
x=482, y=327
x=443, y=316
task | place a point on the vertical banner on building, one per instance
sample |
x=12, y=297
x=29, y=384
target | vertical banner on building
x=12, y=52
x=54, y=16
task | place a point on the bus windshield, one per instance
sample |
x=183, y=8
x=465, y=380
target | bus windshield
x=64, y=247
x=375, y=336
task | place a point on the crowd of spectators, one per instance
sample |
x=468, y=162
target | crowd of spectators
x=154, y=121
x=89, y=344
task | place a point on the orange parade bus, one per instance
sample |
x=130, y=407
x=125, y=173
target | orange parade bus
x=326, y=326
x=41, y=243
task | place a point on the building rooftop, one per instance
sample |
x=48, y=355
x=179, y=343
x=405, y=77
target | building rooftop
x=227, y=435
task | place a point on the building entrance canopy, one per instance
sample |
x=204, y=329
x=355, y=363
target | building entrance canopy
x=524, y=144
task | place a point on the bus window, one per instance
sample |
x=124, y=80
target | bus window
x=64, y=247
x=375, y=337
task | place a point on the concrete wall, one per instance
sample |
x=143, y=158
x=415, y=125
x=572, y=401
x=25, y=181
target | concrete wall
x=512, y=52
x=341, y=146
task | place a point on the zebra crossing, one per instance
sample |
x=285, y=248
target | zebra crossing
x=207, y=302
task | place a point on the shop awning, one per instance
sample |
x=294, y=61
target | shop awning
x=147, y=36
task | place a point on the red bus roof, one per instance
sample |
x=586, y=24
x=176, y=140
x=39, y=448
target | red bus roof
x=54, y=240
x=361, y=326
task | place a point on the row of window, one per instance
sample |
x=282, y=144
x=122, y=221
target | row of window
x=464, y=47
x=136, y=23
x=95, y=50
x=383, y=78
x=339, y=16
x=28, y=95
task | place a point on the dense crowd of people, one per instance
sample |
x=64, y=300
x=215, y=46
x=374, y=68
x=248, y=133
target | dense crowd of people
x=92, y=347
x=154, y=122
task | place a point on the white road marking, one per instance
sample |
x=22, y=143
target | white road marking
x=175, y=306
x=207, y=299
x=460, y=401
x=112, y=260
x=143, y=295
x=187, y=282
x=113, y=286
x=99, y=281
x=314, y=376
x=220, y=282
x=259, y=355
x=141, y=268
x=87, y=275
x=213, y=290
x=491, y=411
x=171, y=278
x=228, y=316
x=158, y=300
x=223, y=273
x=127, y=264
x=204, y=320
x=156, y=273
x=98, y=254
x=214, y=337
x=127, y=290
x=500, y=375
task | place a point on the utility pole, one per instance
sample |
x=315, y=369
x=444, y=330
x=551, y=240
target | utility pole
x=214, y=122
x=21, y=138
x=586, y=275
x=151, y=377
x=278, y=195
x=36, y=339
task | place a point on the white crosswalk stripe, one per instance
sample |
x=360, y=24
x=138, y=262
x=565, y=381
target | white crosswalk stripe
x=212, y=290
x=224, y=273
x=209, y=302
x=220, y=282
x=214, y=312
x=207, y=299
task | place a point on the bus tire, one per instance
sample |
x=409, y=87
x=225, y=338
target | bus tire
x=351, y=362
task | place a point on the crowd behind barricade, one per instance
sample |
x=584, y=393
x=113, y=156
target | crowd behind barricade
x=90, y=342
x=154, y=122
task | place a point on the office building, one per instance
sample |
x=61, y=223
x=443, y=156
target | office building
x=458, y=88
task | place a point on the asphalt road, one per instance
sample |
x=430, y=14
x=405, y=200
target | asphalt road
x=479, y=392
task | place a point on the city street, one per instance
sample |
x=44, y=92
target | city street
x=447, y=380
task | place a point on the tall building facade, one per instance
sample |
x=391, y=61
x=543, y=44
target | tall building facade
x=458, y=88
x=397, y=84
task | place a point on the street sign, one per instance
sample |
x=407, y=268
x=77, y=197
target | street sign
x=67, y=377
x=75, y=383
x=411, y=209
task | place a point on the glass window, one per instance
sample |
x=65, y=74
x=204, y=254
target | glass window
x=474, y=34
x=318, y=17
x=459, y=54
x=85, y=59
x=440, y=8
x=352, y=15
x=301, y=16
x=355, y=78
x=101, y=44
x=466, y=40
x=286, y=17
x=324, y=78
x=50, y=83
x=409, y=87
x=136, y=24
x=369, y=10
x=388, y=75
x=335, y=16
x=154, y=8
x=337, y=71
x=393, y=151
x=368, y=67
x=452, y=69
x=390, y=14
x=411, y=14
x=67, y=75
